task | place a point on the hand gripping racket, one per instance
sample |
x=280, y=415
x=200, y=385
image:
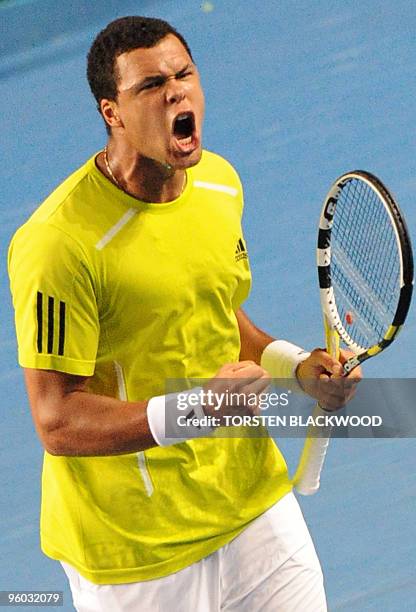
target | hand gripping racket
x=365, y=269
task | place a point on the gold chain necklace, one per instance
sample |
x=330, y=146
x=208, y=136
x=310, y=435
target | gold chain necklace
x=110, y=172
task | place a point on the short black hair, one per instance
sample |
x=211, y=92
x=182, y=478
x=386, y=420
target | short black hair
x=121, y=36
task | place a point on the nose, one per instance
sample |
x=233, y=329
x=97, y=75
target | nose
x=174, y=91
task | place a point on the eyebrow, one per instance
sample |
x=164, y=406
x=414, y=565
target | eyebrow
x=158, y=79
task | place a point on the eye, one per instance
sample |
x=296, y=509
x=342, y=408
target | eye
x=183, y=75
x=152, y=84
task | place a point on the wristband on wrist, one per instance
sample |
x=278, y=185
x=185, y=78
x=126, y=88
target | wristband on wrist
x=175, y=417
x=281, y=358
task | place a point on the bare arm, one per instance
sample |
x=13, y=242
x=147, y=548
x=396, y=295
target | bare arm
x=72, y=421
x=310, y=373
x=253, y=340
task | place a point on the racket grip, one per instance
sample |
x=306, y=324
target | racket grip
x=307, y=477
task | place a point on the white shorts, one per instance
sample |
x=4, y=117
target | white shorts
x=270, y=567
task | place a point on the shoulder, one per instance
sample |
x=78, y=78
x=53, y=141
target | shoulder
x=39, y=249
x=45, y=237
x=49, y=238
x=74, y=188
x=217, y=169
x=58, y=225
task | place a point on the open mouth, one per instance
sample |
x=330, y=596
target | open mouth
x=184, y=128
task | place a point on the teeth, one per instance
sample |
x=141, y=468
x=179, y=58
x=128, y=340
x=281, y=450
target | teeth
x=183, y=116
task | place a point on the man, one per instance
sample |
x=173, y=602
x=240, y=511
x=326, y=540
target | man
x=132, y=273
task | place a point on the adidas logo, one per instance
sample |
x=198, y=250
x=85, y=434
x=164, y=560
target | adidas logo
x=241, y=251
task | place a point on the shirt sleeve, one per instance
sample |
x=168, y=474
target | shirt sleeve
x=54, y=299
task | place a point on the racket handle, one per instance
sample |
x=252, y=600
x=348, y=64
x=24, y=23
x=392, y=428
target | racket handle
x=308, y=473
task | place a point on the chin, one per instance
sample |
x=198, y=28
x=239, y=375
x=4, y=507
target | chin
x=187, y=161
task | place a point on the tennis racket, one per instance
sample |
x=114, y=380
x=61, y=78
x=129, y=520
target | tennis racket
x=365, y=270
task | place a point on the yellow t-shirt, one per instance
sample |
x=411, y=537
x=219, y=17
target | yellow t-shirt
x=133, y=294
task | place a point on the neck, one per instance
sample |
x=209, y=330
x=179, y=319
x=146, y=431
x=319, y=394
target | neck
x=140, y=177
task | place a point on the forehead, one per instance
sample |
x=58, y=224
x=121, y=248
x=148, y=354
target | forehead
x=166, y=58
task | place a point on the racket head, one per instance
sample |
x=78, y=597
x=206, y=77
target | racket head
x=365, y=264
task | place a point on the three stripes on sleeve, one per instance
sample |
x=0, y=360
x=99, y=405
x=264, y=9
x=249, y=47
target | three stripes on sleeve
x=50, y=314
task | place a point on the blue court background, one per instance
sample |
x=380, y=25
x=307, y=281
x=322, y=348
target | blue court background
x=297, y=93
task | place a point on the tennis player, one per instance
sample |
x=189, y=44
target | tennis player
x=133, y=272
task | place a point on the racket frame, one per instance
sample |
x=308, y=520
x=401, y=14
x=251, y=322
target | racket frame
x=328, y=300
x=307, y=476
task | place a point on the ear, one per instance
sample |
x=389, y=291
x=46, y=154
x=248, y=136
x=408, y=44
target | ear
x=110, y=113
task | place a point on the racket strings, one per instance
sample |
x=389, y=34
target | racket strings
x=365, y=263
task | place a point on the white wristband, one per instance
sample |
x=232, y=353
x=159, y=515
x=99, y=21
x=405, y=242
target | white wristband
x=281, y=358
x=171, y=423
